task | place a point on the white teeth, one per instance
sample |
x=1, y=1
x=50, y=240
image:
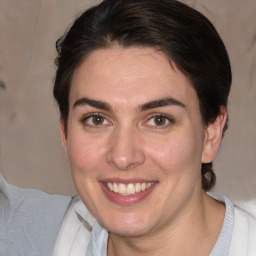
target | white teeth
x=110, y=186
x=115, y=188
x=128, y=189
x=137, y=187
x=121, y=188
x=148, y=185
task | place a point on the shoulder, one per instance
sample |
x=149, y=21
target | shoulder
x=30, y=220
x=244, y=233
x=238, y=232
x=75, y=231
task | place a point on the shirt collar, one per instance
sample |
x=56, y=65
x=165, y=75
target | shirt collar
x=99, y=236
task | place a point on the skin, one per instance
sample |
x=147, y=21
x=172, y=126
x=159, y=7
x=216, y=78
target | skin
x=121, y=140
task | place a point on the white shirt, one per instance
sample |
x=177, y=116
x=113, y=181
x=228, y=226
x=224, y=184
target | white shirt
x=81, y=235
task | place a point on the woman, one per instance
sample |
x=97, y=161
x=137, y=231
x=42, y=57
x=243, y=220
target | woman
x=142, y=88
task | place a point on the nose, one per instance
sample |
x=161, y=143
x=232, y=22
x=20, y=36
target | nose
x=125, y=151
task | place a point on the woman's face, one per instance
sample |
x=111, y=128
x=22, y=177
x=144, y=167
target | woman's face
x=135, y=140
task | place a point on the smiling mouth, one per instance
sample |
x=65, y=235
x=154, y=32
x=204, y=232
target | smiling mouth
x=128, y=189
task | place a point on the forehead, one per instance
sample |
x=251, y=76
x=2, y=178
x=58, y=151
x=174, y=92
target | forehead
x=129, y=75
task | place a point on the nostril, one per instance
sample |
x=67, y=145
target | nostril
x=127, y=161
x=132, y=165
x=125, y=152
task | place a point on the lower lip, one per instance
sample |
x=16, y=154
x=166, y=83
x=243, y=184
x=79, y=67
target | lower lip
x=126, y=200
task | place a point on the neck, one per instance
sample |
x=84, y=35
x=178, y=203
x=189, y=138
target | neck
x=194, y=232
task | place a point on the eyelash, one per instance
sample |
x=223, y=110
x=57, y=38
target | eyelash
x=84, y=121
x=166, y=118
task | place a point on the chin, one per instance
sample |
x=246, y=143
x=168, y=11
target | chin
x=127, y=226
x=128, y=231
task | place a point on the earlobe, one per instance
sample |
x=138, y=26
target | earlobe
x=63, y=133
x=213, y=136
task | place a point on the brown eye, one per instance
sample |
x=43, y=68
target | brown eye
x=95, y=120
x=98, y=120
x=160, y=120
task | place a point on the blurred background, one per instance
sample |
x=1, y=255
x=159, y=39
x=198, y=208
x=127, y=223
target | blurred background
x=31, y=154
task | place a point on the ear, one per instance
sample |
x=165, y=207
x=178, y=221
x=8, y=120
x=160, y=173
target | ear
x=213, y=136
x=63, y=133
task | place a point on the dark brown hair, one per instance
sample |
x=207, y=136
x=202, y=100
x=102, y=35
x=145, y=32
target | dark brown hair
x=182, y=33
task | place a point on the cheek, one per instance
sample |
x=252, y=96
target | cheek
x=84, y=153
x=180, y=152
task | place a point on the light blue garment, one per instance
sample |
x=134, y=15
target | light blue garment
x=98, y=242
x=222, y=245
x=29, y=220
x=99, y=237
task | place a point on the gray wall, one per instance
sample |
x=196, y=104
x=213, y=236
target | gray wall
x=31, y=153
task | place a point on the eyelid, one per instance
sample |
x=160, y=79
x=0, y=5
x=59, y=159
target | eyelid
x=93, y=114
x=167, y=117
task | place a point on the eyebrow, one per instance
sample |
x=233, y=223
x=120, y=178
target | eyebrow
x=161, y=103
x=93, y=103
x=144, y=107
